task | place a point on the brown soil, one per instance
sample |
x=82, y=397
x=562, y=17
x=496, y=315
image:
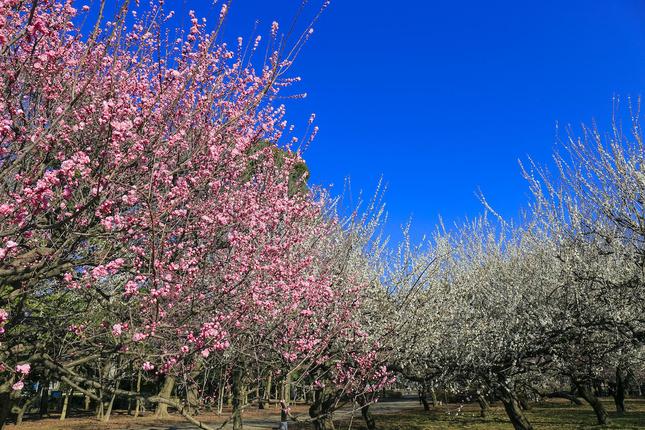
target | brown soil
x=119, y=420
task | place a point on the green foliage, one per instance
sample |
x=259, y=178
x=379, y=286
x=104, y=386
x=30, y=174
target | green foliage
x=298, y=175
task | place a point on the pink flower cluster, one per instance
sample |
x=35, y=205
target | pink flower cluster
x=4, y=317
x=22, y=370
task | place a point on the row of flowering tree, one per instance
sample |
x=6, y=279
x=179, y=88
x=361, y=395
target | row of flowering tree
x=548, y=307
x=156, y=244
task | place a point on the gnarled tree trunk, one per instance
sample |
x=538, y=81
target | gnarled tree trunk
x=514, y=410
x=365, y=412
x=165, y=392
x=321, y=411
x=587, y=393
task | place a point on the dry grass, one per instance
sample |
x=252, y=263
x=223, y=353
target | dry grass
x=553, y=415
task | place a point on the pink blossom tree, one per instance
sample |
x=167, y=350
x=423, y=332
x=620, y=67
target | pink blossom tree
x=146, y=207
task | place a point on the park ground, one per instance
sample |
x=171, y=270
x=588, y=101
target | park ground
x=404, y=414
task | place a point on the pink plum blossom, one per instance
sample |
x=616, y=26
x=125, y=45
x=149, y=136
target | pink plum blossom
x=23, y=369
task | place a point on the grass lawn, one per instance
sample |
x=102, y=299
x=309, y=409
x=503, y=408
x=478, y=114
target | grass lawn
x=552, y=415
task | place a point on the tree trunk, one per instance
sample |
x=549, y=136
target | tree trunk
x=63, y=412
x=192, y=389
x=619, y=392
x=237, y=399
x=192, y=398
x=423, y=398
x=524, y=404
x=44, y=400
x=108, y=410
x=433, y=393
x=367, y=415
x=100, y=407
x=514, y=411
x=587, y=393
x=23, y=409
x=259, y=395
x=220, y=396
x=286, y=389
x=321, y=412
x=484, y=407
x=5, y=408
x=597, y=388
x=166, y=393
x=276, y=395
x=267, y=389
x=137, y=405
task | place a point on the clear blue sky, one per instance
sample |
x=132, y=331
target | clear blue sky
x=442, y=98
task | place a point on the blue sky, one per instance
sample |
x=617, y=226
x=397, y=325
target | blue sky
x=442, y=98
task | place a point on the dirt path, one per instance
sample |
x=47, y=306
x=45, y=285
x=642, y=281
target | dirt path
x=253, y=419
x=271, y=420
